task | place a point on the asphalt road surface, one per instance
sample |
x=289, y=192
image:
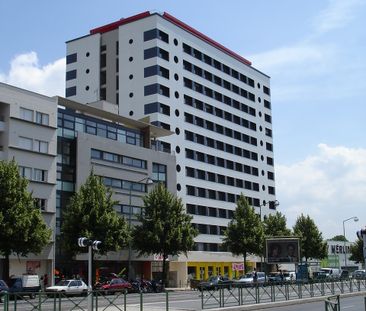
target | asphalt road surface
x=178, y=301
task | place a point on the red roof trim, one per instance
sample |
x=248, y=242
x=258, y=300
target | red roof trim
x=205, y=38
x=123, y=21
x=176, y=22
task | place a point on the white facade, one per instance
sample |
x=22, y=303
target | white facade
x=213, y=99
x=28, y=133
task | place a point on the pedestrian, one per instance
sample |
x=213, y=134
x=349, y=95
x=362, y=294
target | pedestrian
x=45, y=280
x=255, y=276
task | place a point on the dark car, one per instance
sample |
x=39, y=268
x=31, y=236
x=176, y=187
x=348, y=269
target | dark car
x=275, y=278
x=25, y=285
x=214, y=283
x=116, y=285
x=3, y=288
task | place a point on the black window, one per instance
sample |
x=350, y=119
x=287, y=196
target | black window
x=269, y=161
x=266, y=90
x=156, y=89
x=267, y=104
x=156, y=70
x=70, y=91
x=267, y=118
x=270, y=175
x=72, y=58
x=156, y=52
x=71, y=75
x=187, y=49
x=151, y=108
x=156, y=34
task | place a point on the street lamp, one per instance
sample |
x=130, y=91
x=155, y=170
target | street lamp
x=272, y=204
x=148, y=181
x=355, y=219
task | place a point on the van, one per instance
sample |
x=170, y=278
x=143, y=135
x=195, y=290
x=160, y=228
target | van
x=25, y=284
x=330, y=273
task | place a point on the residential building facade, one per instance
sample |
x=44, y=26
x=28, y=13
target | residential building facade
x=28, y=134
x=155, y=68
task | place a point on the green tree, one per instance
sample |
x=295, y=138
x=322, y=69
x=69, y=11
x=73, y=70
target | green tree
x=90, y=214
x=244, y=234
x=165, y=228
x=275, y=225
x=339, y=238
x=311, y=240
x=22, y=227
x=356, y=250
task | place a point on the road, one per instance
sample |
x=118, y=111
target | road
x=178, y=301
x=355, y=303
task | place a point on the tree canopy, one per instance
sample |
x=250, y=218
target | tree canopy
x=90, y=214
x=311, y=240
x=339, y=238
x=22, y=227
x=165, y=228
x=244, y=234
x=356, y=250
x=275, y=225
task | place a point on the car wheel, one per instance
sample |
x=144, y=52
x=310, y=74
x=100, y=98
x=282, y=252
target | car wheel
x=32, y=296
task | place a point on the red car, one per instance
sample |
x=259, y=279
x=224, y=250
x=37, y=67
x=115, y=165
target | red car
x=117, y=285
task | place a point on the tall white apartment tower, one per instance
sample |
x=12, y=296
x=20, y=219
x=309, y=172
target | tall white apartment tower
x=156, y=68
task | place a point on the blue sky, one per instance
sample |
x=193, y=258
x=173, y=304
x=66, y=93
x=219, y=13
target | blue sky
x=314, y=51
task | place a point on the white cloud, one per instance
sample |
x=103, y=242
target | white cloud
x=300, y=57
x=26, y=72
x=329, y=186
x=338, y=14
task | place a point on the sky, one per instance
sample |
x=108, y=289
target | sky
x=314, y=51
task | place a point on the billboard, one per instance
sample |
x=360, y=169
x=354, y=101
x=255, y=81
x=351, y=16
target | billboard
x=282, y=250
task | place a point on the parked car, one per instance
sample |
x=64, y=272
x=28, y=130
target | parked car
x=116, y=285
x=359, y=274
x=68, y=287
x=275, y=278
x=3, y=288
x=215, y=282
x=24, y=285
x=329, y=274
x=247, y=280
x=345, y=275
x=289, y=276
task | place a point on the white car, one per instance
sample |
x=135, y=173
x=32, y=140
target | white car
x=69, y=287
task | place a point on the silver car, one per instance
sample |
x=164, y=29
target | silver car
x=247, y=280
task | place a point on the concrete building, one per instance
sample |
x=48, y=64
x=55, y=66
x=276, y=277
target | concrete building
x=339, y=256
x=119, y=150
x=155, y=68
x=28, y=134
x=56, y=143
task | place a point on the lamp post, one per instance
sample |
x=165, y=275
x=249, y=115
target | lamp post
x=355, y=219
x=148, y=181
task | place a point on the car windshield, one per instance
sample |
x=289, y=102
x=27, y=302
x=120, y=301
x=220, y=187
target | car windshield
x=212, y=278
x=63, y=283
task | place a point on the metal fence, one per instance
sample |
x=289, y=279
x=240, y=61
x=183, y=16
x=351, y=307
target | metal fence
x=240, y=295
x=95, y=300
x=332, y=303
